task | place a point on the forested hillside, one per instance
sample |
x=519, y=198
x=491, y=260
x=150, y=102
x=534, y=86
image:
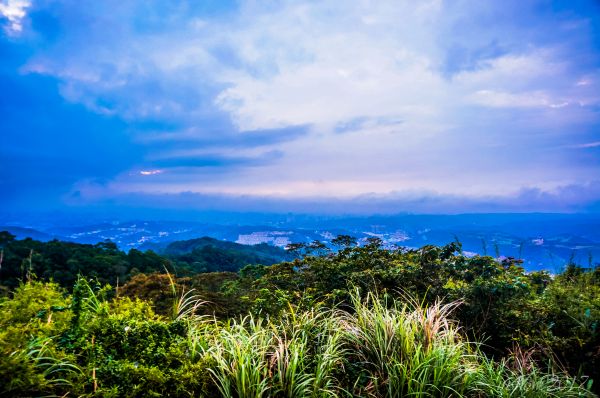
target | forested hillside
x=212, y=255
x=360, y=321
x=63, y=261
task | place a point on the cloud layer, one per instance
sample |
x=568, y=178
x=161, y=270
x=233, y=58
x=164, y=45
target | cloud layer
x=469, y=102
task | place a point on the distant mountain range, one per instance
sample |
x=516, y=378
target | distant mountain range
x=543, y=241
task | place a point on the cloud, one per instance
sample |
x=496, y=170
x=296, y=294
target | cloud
x=150, y=172
x=330, y=99
x=594, y=144
x=571, y=198
x=509, y=100
x=14, y=11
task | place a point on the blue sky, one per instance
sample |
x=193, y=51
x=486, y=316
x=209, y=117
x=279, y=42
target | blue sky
x=362, y=107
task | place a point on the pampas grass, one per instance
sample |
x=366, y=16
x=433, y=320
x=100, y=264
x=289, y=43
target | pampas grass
x=379, y=349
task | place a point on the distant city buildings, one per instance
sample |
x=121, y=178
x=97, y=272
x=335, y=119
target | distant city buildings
x=275, y=238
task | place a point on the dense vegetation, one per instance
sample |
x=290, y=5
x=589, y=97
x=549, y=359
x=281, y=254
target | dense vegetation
x=212, y=255
x=63, y=261
x=360, y=321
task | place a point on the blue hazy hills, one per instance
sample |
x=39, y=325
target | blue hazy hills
x=543, y=241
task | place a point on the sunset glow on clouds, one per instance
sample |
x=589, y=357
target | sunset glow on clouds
x=479, y=101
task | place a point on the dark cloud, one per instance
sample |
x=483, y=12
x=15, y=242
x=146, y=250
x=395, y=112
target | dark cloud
x=217, y=161
x=48, y=144
x=217, y=133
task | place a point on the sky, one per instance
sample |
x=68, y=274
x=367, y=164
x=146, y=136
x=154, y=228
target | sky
x=337, y=106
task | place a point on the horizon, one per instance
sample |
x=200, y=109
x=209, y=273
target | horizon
x=88, y=217
x=299, y=107
x=541, y=240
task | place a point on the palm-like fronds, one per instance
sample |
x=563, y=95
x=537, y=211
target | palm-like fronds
x=53, y=372
x=53, y=369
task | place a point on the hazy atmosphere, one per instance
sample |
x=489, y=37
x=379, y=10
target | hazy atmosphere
x=331, y=107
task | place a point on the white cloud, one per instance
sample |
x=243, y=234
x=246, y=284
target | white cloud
x=150, y=172
x=595, y=144
x=326, y=64
x=14, y=11
x=514, y=100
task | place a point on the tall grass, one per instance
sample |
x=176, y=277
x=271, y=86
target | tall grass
x=375, y=348
x=503, y=381
x=380, y=349
x=409, y=350
x=295, y=356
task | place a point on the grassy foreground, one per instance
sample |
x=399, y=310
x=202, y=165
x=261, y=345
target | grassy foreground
x=85, y=344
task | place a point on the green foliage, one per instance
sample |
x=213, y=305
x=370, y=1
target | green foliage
x=502, y=305
x=62, y=262
x=362, y=321
x=29, y=324
x=212, y=255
